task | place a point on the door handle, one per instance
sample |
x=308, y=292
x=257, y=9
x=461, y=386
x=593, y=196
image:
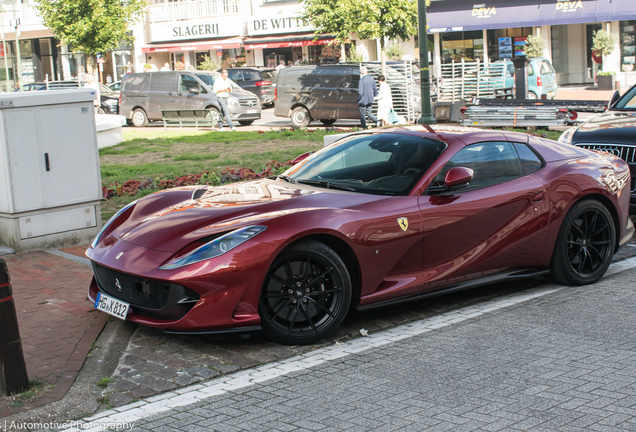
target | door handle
x=178, y=94
x=340, y=90
x=538, y=197
x=46, y=162
x=169, y=93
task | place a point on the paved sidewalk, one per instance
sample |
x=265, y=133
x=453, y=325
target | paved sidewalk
x=57, y=324
x=551, y=358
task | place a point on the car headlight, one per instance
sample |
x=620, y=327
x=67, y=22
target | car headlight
x=566, y=137
x=216, y=247
x=233, y=102
x=110, y=102
x=110, y=221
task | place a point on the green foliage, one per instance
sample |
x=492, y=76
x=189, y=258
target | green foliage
x=354, y=56
x=208, y=64
x=395, y=52
x=603, y=42
x=605, y=73
x=535, y=45
x=91, y=26
x=104, y=382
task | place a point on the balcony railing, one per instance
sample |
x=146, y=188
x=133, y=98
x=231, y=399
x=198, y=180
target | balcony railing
x=181, y=11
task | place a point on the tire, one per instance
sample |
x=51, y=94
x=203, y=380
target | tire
x=100, y=110
x=300, y=117
x=306, y=294
x=246, y=122
x=585, y=244
x=215, y=115
x=327, y=122
x=532, y=95
x=139, y=118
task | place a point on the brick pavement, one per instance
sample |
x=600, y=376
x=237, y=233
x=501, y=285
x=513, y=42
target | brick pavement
x=57, y=324
x=562, y=361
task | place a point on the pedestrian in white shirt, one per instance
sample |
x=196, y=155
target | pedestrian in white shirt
x=166, y=68
x=281, y=65
x=222, y=88
x=90, y=82
x=385, y=102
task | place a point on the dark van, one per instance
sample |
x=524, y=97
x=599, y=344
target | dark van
x=330, y=92
x=318, y=92
x=145, y=95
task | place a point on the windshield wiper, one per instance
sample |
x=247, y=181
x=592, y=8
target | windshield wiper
x=326, y=183
x=287, y=178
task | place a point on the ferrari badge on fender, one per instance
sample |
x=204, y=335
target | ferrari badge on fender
x=403, y=223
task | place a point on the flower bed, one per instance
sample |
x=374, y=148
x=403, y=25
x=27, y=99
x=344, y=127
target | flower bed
x=209, y=178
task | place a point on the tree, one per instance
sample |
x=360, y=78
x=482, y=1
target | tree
x=91, y=26
x=535, y=45
x=368, y=19
x=603, y=43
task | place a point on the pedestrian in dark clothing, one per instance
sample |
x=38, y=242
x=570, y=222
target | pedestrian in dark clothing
x=366, y=94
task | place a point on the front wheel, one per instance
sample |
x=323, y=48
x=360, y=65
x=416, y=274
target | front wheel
x=585, y=244
x=327, y=122
x=139, y=118
x=532, y=95
x=306, y=294
x=300, y=117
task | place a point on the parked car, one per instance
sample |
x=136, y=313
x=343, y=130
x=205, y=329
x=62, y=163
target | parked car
x=145, y=95
x=326, y=92
x=109, y=100
x=116, y=86
x=613, y=132
x=541, y=76
x=377, y=218
x=259, y=81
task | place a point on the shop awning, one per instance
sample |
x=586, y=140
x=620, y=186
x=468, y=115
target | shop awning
x=287, y=41
x=194, y=46
x=460, y=15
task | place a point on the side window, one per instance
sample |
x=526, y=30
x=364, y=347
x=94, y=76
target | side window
x=546, y=68
x=530, y=162
x=492, y=162
x=235, y=75
x=510, y=71
x=530, y=70
x=186, y=82
x=355, y=78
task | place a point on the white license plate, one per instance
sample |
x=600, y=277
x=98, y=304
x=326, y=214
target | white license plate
x=550, y=94
x=112, y=306
x=252, y=111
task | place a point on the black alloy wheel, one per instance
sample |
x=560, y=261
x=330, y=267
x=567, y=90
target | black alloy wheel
x=585, y=245
x=306, y=294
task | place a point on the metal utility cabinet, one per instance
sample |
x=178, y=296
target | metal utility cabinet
x=50, y=185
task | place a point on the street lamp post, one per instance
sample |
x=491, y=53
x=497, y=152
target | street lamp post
x=18, y=78
x=425, y=85
x=5, y=51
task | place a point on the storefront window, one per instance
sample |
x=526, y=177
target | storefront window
x=456, y=46
x=628, y=45
x=233, y=57
x=493, y=37
x=73, y=63
x=559, y=41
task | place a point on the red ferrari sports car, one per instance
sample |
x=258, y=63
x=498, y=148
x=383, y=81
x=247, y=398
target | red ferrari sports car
x=374, y=219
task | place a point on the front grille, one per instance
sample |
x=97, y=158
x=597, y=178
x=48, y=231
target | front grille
x=249, y=102
x=625, y=152
x=138, y=291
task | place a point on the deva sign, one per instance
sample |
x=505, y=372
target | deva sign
x=567, y=6
x=481, y=11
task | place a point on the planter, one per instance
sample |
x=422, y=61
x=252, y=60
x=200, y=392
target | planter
x=606, y=82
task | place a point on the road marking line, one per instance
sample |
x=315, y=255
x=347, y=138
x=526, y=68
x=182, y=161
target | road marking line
x=245, y=378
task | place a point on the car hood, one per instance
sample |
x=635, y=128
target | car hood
x=170, y=220
x=613, y=127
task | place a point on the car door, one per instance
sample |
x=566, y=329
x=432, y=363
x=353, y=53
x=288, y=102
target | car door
x=161, y=94
x=495, y=224
x=191, y=94
x=351, y=95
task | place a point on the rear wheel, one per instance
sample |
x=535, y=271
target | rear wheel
x=139, y=118
x=532, y=95
x=101, y=111
x=246, y=122
x=585, y=244
x=300, y=117
x=306, y=294
x=327, y=122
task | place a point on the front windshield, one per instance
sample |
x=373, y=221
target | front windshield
x=378, y=163
x=628, y=101
x=208, y=79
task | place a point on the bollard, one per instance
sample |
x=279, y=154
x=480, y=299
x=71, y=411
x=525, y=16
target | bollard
x=13, y=373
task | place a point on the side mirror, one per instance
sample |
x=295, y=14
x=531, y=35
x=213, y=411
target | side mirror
x=194, y=90
x=615, y=97
x=456, y=178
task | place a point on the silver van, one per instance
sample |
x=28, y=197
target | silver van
x=145, y=95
